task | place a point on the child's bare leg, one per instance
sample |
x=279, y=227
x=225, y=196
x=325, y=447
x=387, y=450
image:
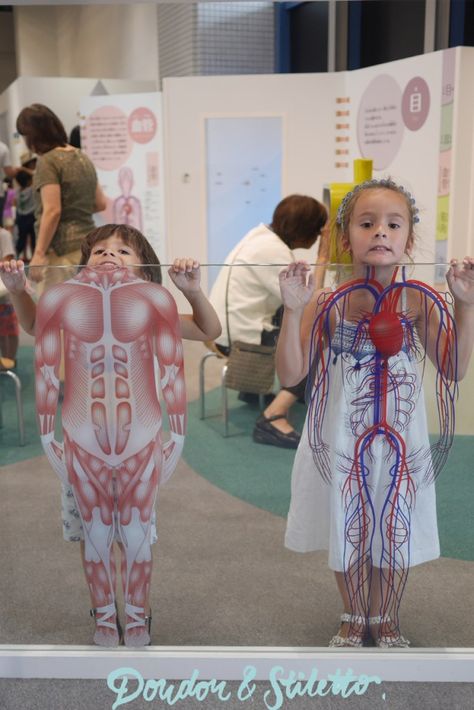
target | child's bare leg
x=136, y=586
x=375, y=603
x=384, y=620
x=102, y=595
x=389, y=579
x=281, y=405
x=354, y=582
x=3, y=349
x=112, y=568
x=358, y=626
x=123, y=572
x=341, y=585
x=9, y=346
x=93, y=497
x=137, y=483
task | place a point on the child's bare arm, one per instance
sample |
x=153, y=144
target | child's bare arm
x=298, y=296
x=439, y=342
x=203, y=323
x=460, y=278
x=13, y=276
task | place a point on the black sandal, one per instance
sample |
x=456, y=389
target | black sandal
x=265, y=433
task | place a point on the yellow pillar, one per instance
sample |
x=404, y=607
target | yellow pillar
x=337, y=191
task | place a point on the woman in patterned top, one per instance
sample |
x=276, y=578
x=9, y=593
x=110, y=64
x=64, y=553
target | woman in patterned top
x=66, y=193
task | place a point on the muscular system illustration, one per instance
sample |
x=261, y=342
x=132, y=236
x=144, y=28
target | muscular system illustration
x=113, y=326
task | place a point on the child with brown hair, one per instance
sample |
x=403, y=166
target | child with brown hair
x=362, y=482
x=116, y=323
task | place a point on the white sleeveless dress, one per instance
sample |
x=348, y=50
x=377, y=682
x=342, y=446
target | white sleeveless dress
x=317, y=514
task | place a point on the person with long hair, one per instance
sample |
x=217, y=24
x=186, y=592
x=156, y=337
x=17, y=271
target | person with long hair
x=66, y=191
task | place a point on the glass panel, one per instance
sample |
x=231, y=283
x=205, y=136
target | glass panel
x=242, y=187
x=383, y=430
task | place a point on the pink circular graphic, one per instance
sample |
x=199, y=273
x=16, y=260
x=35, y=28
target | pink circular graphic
x=142, y=125
x=106, y=140
x=379, y=121
x=415, y=103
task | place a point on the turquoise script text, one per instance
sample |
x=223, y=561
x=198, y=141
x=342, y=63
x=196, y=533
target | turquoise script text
x=287, y=685
x=168, y=692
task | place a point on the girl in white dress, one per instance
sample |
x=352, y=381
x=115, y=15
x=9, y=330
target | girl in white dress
x=362, y=483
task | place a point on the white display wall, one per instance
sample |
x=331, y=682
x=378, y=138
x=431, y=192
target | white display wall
x=325, y=113
x=62, y=95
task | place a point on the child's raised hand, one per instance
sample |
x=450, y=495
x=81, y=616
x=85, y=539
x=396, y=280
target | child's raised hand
x=460, y=278
x=13, y=275
x=296, y=285
x=186, y=275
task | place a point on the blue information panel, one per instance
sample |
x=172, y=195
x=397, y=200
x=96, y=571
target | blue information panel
x=243, y=179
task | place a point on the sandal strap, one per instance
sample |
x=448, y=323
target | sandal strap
x=352, y=640
x=106, y=612
x=353, y=618
x=398, y=641
x=379, y=619
x=338, y=641
x=136, y=613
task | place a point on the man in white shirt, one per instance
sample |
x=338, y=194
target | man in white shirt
x=247, y=296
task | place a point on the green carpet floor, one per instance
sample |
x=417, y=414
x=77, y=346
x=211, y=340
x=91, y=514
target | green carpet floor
x=261, y=475
x=258, y=474
x=10, y=452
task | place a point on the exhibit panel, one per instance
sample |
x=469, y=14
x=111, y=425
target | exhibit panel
x=382, y=470
x=123, y=136
x=421, y=106
x=62, y=94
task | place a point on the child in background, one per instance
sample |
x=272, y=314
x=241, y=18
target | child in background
x=25, y=215
x=112, y=457
x=9, y=331
x=9, y=205
x=362, y=482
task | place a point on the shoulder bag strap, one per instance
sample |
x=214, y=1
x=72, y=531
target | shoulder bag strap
x=227, y=296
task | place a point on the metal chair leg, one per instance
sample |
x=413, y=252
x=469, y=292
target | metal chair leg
x=225, y=404
x=202, y=391
x=19, y=404
x=202, y=384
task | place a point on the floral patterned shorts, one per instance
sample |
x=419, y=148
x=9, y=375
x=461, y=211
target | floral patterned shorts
x=72, y=524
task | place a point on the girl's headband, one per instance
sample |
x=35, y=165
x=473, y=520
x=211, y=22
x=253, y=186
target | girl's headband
x=383, y=182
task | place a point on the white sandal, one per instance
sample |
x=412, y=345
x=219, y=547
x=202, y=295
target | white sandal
x=395, y=640
x=137, y=613
x=339, y=641
x=106, y=612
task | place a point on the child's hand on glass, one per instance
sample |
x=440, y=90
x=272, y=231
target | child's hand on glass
x=36, y=272
x=186, y=275
x=460, y=278
x=296, y=285
x=13, y=275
